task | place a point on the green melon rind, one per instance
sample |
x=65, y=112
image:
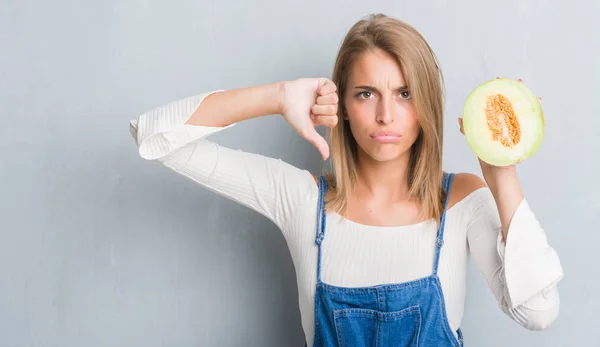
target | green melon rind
x=528, y=109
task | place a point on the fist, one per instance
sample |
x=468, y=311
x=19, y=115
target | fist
x=307, y=103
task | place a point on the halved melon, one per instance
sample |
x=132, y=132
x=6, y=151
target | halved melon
x=503, y=122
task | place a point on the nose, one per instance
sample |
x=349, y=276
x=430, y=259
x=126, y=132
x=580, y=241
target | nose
x=385, y=108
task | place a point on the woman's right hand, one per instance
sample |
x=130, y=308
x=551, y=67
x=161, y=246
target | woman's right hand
x=307, y=103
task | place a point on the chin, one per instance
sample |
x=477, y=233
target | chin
x=386, y=155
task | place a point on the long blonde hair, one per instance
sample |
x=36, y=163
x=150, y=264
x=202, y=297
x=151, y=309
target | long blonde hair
x=422, y=74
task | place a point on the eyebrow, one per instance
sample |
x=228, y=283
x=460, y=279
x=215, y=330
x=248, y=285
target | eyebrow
x=373, y=89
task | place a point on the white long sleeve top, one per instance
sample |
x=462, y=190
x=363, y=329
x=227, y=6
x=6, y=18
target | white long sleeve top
x=522, y=274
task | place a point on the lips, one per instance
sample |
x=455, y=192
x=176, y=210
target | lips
x=385, y=136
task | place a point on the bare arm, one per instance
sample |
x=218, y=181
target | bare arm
x=505, y=188
x=233, y=106
x=304, y=103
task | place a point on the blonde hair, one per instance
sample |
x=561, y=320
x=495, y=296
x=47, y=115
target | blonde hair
x=421, y=72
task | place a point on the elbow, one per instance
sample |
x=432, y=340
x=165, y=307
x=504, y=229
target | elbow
x=541, y=322
x=540, y=313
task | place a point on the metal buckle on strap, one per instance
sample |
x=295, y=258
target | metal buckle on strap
x=440, y=242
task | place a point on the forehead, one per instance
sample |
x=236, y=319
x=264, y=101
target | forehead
x=376, y=67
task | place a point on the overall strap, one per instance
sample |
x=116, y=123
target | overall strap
x=446, y=184
x=320, y=222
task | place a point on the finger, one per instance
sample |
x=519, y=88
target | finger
x=312, y=136
x=328, y=99
x=325, y=110
x=520, y=80
x=540, y=99
x=460, y=124
x=326, y=86
x=328, y=121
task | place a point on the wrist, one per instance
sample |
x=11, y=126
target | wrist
x=269, y=98
x=496, y=177
x=491, y=172
x=278, y=96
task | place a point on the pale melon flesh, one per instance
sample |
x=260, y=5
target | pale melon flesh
x=503, y=122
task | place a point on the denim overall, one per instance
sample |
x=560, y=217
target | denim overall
x=400, y=315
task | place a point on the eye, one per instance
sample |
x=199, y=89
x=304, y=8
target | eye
x=405, y=94
x=365, y=94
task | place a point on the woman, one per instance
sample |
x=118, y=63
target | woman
x=381, y=244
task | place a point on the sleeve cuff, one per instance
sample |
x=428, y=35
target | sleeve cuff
x=162, y=130
x=531, y=265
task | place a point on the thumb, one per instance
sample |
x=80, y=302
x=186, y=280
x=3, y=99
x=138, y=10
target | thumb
x=318, y=141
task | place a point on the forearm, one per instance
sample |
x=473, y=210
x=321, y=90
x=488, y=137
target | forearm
x=506, y=189
x=232, y=106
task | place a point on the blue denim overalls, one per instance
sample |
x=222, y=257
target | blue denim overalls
x=399, y=315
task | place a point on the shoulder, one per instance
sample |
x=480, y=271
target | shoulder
x=463, y=185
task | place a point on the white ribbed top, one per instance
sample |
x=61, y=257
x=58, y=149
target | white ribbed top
x=522, y=275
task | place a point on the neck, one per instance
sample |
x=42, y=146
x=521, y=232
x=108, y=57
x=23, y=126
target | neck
x=383, y=181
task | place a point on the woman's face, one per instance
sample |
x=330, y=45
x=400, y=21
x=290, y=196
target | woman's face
x=379, y=108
